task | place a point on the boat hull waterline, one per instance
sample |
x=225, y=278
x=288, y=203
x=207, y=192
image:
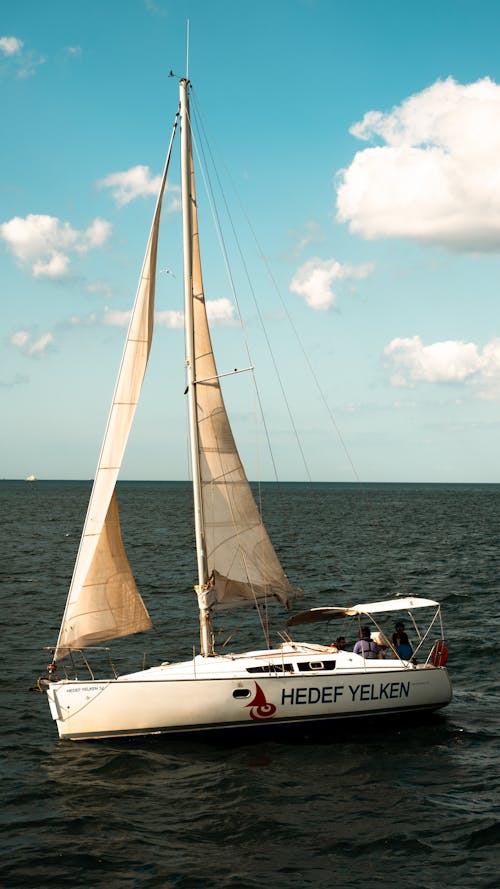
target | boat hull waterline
x=151, y=703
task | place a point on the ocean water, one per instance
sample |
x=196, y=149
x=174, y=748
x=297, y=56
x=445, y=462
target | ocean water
x=411, y=803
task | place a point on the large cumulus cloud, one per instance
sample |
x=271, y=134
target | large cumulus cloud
x=434, y=177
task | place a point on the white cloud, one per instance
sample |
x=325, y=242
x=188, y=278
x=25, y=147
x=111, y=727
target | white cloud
x=155, y=8
x=220, y=313
x=44, y=242
x=73, y=51
x=20, y=338
x=55, y=267
x=11, y=46
x=38, y=347
x=100, y=286
x=451, y=361
x=436, y=177
x=82, y=321
x=315, y=279
x=25, y=61
x=130, y=184
x=116, y=317
x=137, y=182
x=23, y=340
x=170, y=318
x=95, y=235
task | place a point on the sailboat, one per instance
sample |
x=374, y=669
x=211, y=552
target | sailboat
x=237, y=566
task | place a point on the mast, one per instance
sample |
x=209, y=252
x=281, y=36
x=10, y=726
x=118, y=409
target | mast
x=186, y=155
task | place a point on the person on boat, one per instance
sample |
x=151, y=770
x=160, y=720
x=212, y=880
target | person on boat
x=365, y=646
x=401, y=643
x=340, y=644
x=398, y=628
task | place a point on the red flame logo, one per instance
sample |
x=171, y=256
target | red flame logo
x=259, y=707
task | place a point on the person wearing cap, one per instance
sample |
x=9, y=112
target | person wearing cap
x=365, y=646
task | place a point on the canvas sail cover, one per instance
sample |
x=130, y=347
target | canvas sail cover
x=103, y=600
x=241, y=562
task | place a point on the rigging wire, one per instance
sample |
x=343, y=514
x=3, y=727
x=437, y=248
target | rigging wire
x=292, y=325
x=218, y=228
x=254, y=297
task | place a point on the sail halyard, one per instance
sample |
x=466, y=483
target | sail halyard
x=103, y=600
x=240, y=566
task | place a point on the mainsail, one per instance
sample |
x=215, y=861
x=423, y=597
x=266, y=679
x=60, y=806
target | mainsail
x=242, y=566
x=103, y=600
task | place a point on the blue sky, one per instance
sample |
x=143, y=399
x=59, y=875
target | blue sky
x=363, y=142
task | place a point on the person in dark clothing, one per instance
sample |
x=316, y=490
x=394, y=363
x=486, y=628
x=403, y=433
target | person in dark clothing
x=401, y=642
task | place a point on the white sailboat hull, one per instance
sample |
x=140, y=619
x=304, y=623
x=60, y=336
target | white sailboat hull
x=225, y=692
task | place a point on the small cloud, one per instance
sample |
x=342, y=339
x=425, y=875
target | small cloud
x=174, y=203
x=116, y=317
x=45, y=243
x=310, y=233
x=25, y=61
x=451, y=361
x=81, y=320
x=100, y=287
x=55, y=267
x=74, y=52
x=137, y=182
x=98, y=232
x=315, y=279
x=170, y=318
x=40, y=345
x=11, y=46
x=23, y=340
x=20, y=339
x=155, y=8
x=220, y=312
x=435, y=179
x=30, y=62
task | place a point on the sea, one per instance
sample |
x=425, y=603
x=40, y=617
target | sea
x=407, y=803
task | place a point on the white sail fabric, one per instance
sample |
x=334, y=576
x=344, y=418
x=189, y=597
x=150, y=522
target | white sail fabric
x=103, y=601
x=241, y=562
x=109, y=604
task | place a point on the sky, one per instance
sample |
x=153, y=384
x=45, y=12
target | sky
x=360, y=144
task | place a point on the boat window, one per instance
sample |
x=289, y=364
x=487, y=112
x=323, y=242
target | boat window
x=307, y=666
x=271, y=668
x=241, y=693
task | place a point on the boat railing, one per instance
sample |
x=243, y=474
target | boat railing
x=77, y=661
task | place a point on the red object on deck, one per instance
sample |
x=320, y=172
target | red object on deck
x=439, y=654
